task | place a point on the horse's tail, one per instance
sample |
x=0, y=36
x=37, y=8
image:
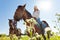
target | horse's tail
x=45, y=23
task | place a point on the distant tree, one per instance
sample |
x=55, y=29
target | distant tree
x=58, y=17
x=3, y=35
x=57, y=26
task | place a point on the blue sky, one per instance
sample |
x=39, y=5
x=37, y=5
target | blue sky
x=8, y=7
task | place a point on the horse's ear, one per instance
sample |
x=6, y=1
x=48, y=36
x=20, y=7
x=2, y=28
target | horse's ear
x=10, y=19
x=24, y=5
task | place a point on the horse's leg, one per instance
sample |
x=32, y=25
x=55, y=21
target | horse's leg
x=11, y=36
x=48, y=31
x=43, y=36
x=42, y=30
x=48, y=34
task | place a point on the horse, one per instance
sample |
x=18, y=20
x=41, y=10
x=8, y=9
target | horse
x=13, y=29
x=22, y=13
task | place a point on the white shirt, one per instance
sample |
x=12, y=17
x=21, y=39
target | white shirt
x=36, y=14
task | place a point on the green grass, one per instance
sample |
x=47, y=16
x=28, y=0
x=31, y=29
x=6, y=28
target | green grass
x=25, y=37
x=55, y=37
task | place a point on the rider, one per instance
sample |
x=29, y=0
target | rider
x=36, y=14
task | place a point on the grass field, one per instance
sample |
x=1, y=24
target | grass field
x=25, y=37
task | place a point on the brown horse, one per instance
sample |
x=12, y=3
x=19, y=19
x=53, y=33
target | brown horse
x=13, y=29
x=22, y=13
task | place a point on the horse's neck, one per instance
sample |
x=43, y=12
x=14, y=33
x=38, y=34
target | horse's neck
x=27, y=15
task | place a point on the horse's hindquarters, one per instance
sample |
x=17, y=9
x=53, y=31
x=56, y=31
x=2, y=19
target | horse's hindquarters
x=38, y=30
x=47, y=29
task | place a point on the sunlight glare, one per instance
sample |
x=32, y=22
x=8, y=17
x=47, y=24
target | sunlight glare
x=44, y=5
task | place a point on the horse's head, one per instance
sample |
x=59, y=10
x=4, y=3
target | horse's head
x=11, y=23
x=19, y=12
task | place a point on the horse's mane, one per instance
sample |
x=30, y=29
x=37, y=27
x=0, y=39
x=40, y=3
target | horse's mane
x=28, y=14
